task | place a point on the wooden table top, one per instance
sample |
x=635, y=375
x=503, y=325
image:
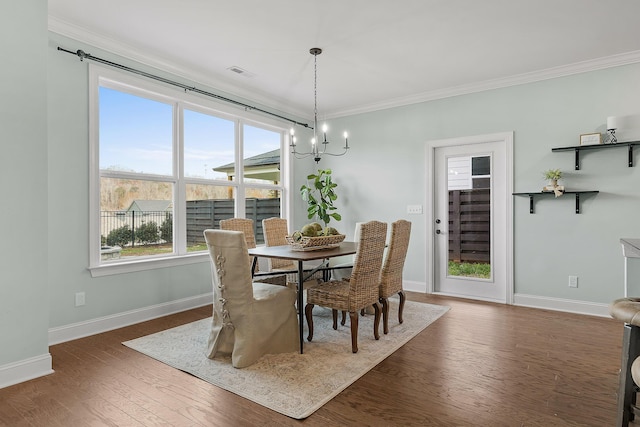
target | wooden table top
x=286, y=252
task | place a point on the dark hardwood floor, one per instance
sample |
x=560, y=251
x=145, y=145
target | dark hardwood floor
x=481, y=364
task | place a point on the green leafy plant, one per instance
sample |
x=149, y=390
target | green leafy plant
x=147, y=233
x=119, y=236
x=166, y=229
x=320, y=196
x=553, y=174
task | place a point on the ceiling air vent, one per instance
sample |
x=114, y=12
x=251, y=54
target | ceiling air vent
x=240, y=71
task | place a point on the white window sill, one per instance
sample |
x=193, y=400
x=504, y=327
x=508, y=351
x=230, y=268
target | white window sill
x=123, y=267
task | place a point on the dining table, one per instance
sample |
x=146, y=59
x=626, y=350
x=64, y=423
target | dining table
x=288, y=252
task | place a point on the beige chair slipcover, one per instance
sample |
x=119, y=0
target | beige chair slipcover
x=249, y=319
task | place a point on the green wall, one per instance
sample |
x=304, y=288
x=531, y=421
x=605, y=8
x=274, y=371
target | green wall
x=44, y=170
x=24, y=290
x=385, y=171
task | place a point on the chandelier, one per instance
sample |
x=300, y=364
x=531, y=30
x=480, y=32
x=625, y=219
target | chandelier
x=316, y=152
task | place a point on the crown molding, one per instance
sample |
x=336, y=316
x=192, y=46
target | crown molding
x=520, y=79
x=219, y=82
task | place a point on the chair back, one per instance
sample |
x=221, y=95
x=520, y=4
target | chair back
x=230, y=265
x=275, y=231
x=365, y=276
x=241, y=224
x=391, y=273
x=232, y=287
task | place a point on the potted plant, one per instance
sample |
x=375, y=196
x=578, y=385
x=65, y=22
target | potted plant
x=553, y=175
x=320, y=196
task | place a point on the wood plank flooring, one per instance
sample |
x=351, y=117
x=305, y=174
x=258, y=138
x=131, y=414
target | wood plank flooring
x=481, y=364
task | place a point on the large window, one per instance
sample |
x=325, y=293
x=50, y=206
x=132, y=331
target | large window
x=167, y=165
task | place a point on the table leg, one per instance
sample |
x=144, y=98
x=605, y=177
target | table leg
x=300, y=303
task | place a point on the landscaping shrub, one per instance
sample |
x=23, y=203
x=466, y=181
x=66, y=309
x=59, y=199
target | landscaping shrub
x=119, y=236
x=147, y=233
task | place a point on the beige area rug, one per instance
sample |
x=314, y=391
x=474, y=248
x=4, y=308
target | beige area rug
x=293, y=384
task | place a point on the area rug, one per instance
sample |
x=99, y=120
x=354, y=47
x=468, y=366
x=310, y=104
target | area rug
x=293, y=384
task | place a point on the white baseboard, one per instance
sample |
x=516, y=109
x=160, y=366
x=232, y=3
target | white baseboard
x=74, y=331
x=413, y=286
x=25, y=370
x=559, y=304
x=534, y=301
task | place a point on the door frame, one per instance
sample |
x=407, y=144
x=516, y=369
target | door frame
x=506, y=138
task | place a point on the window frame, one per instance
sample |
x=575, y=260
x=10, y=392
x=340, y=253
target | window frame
x=100, y=76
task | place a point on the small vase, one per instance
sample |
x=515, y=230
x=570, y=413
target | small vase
x=553, y=183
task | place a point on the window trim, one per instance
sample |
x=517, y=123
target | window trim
x=181, y=100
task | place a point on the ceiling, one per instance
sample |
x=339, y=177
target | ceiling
x=376, y=53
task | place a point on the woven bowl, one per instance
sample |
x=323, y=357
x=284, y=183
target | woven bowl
x=308, y=243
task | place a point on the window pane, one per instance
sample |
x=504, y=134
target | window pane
x=206, y=206
x=135, y=133
x=209, y=143
x=261, y=204
x=481, y=165
x=261, y=155
x=137, y=216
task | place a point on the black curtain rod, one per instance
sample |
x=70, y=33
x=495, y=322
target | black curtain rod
x=83, y=55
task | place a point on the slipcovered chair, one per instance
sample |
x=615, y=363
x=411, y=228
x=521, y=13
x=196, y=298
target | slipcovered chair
x=249, y=319
x=275, y=232
x=391, y=274
x=362, y=288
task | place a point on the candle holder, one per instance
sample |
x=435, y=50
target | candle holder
x=612, y=125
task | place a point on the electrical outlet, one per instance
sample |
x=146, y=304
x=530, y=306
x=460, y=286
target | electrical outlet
x=79, y=299
x=573, y=281
x=414, y=209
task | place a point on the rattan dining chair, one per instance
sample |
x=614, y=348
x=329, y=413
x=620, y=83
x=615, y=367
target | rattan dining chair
x=250, y=318
x=391, y=273
x=275, y=232
x=360, y=291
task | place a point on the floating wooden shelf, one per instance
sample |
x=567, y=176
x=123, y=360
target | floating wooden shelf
x=578, y=148
x=533, y=194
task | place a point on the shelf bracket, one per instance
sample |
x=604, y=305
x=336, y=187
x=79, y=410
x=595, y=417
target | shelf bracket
x=630, y=155
x=530, y=203
x=577, y=159
x=577, y=203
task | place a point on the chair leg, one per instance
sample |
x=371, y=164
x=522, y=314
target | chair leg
x=376, y=320
x=353, y=317
x=344, y=318
x=401, y=308
x=385, y=315
x=334, y=314
x=308, y=314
